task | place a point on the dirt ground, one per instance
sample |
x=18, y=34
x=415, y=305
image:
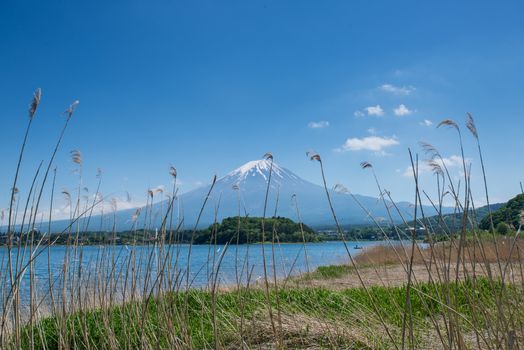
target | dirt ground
x=395, y=275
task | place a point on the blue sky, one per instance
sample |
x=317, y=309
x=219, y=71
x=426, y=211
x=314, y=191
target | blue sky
x=207, y=86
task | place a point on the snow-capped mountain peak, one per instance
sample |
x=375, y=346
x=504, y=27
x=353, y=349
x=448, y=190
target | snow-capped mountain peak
x=246, y=187
x=261, y=168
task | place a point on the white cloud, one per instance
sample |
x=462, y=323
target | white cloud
x=454, y=161
x=369, y=143
x=451, y=162
x=397, y=90
x=402, y=110
x=358, y=114
x=372, y=131
x=426, y=122
x=375, y=110
x=422, y=168
x=318, y=125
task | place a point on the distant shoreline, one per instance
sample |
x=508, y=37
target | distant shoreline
x=3, y=245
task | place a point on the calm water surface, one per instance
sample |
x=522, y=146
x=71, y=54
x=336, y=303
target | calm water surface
x=245, y=261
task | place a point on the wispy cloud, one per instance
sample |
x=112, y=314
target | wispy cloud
x=426, y=122
x=402, y=111
x=369, y=143
x=397, y=90
x=372, y=131
x=451, y=162
x=375, y=110
x=358, y=114
x=318, y=125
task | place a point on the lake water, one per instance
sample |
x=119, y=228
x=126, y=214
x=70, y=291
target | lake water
x=207, y=263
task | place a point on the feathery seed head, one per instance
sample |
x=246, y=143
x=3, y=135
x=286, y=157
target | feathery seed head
x=339, y=188
x=448, y=122
x=470, y=124
x=34, y=104
x=67, y=195
x=312, y=155
x=172, y=171
x=268, y=156
x=114, y=204
x=135, y=216
x=429, y=149
x=76, y=156
x=69, y=112
x=435, y=167
x=365, y=165
x=15, y=192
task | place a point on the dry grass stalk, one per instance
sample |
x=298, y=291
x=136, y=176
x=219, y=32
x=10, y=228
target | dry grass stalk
x=156, y=272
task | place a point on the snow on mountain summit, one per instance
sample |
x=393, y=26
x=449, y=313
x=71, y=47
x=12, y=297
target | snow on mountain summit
x=258, y=165
x=260, y=168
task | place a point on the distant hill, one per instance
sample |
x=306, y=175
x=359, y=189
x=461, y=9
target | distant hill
x=453, y=222
x=510, y=214
x=249, y=230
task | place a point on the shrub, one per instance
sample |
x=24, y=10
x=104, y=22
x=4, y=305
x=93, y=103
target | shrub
x=503, y=228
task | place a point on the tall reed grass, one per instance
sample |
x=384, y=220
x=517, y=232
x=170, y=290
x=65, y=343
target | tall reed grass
x=463, y=293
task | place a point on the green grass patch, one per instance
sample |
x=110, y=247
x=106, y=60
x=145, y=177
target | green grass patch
x=188, y=318
x=330, y=271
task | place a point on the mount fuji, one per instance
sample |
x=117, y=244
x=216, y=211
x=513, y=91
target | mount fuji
x=243, y=191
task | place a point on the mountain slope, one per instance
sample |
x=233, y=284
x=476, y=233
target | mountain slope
x=453, y=221
x=243, y=191
x=510, y=213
